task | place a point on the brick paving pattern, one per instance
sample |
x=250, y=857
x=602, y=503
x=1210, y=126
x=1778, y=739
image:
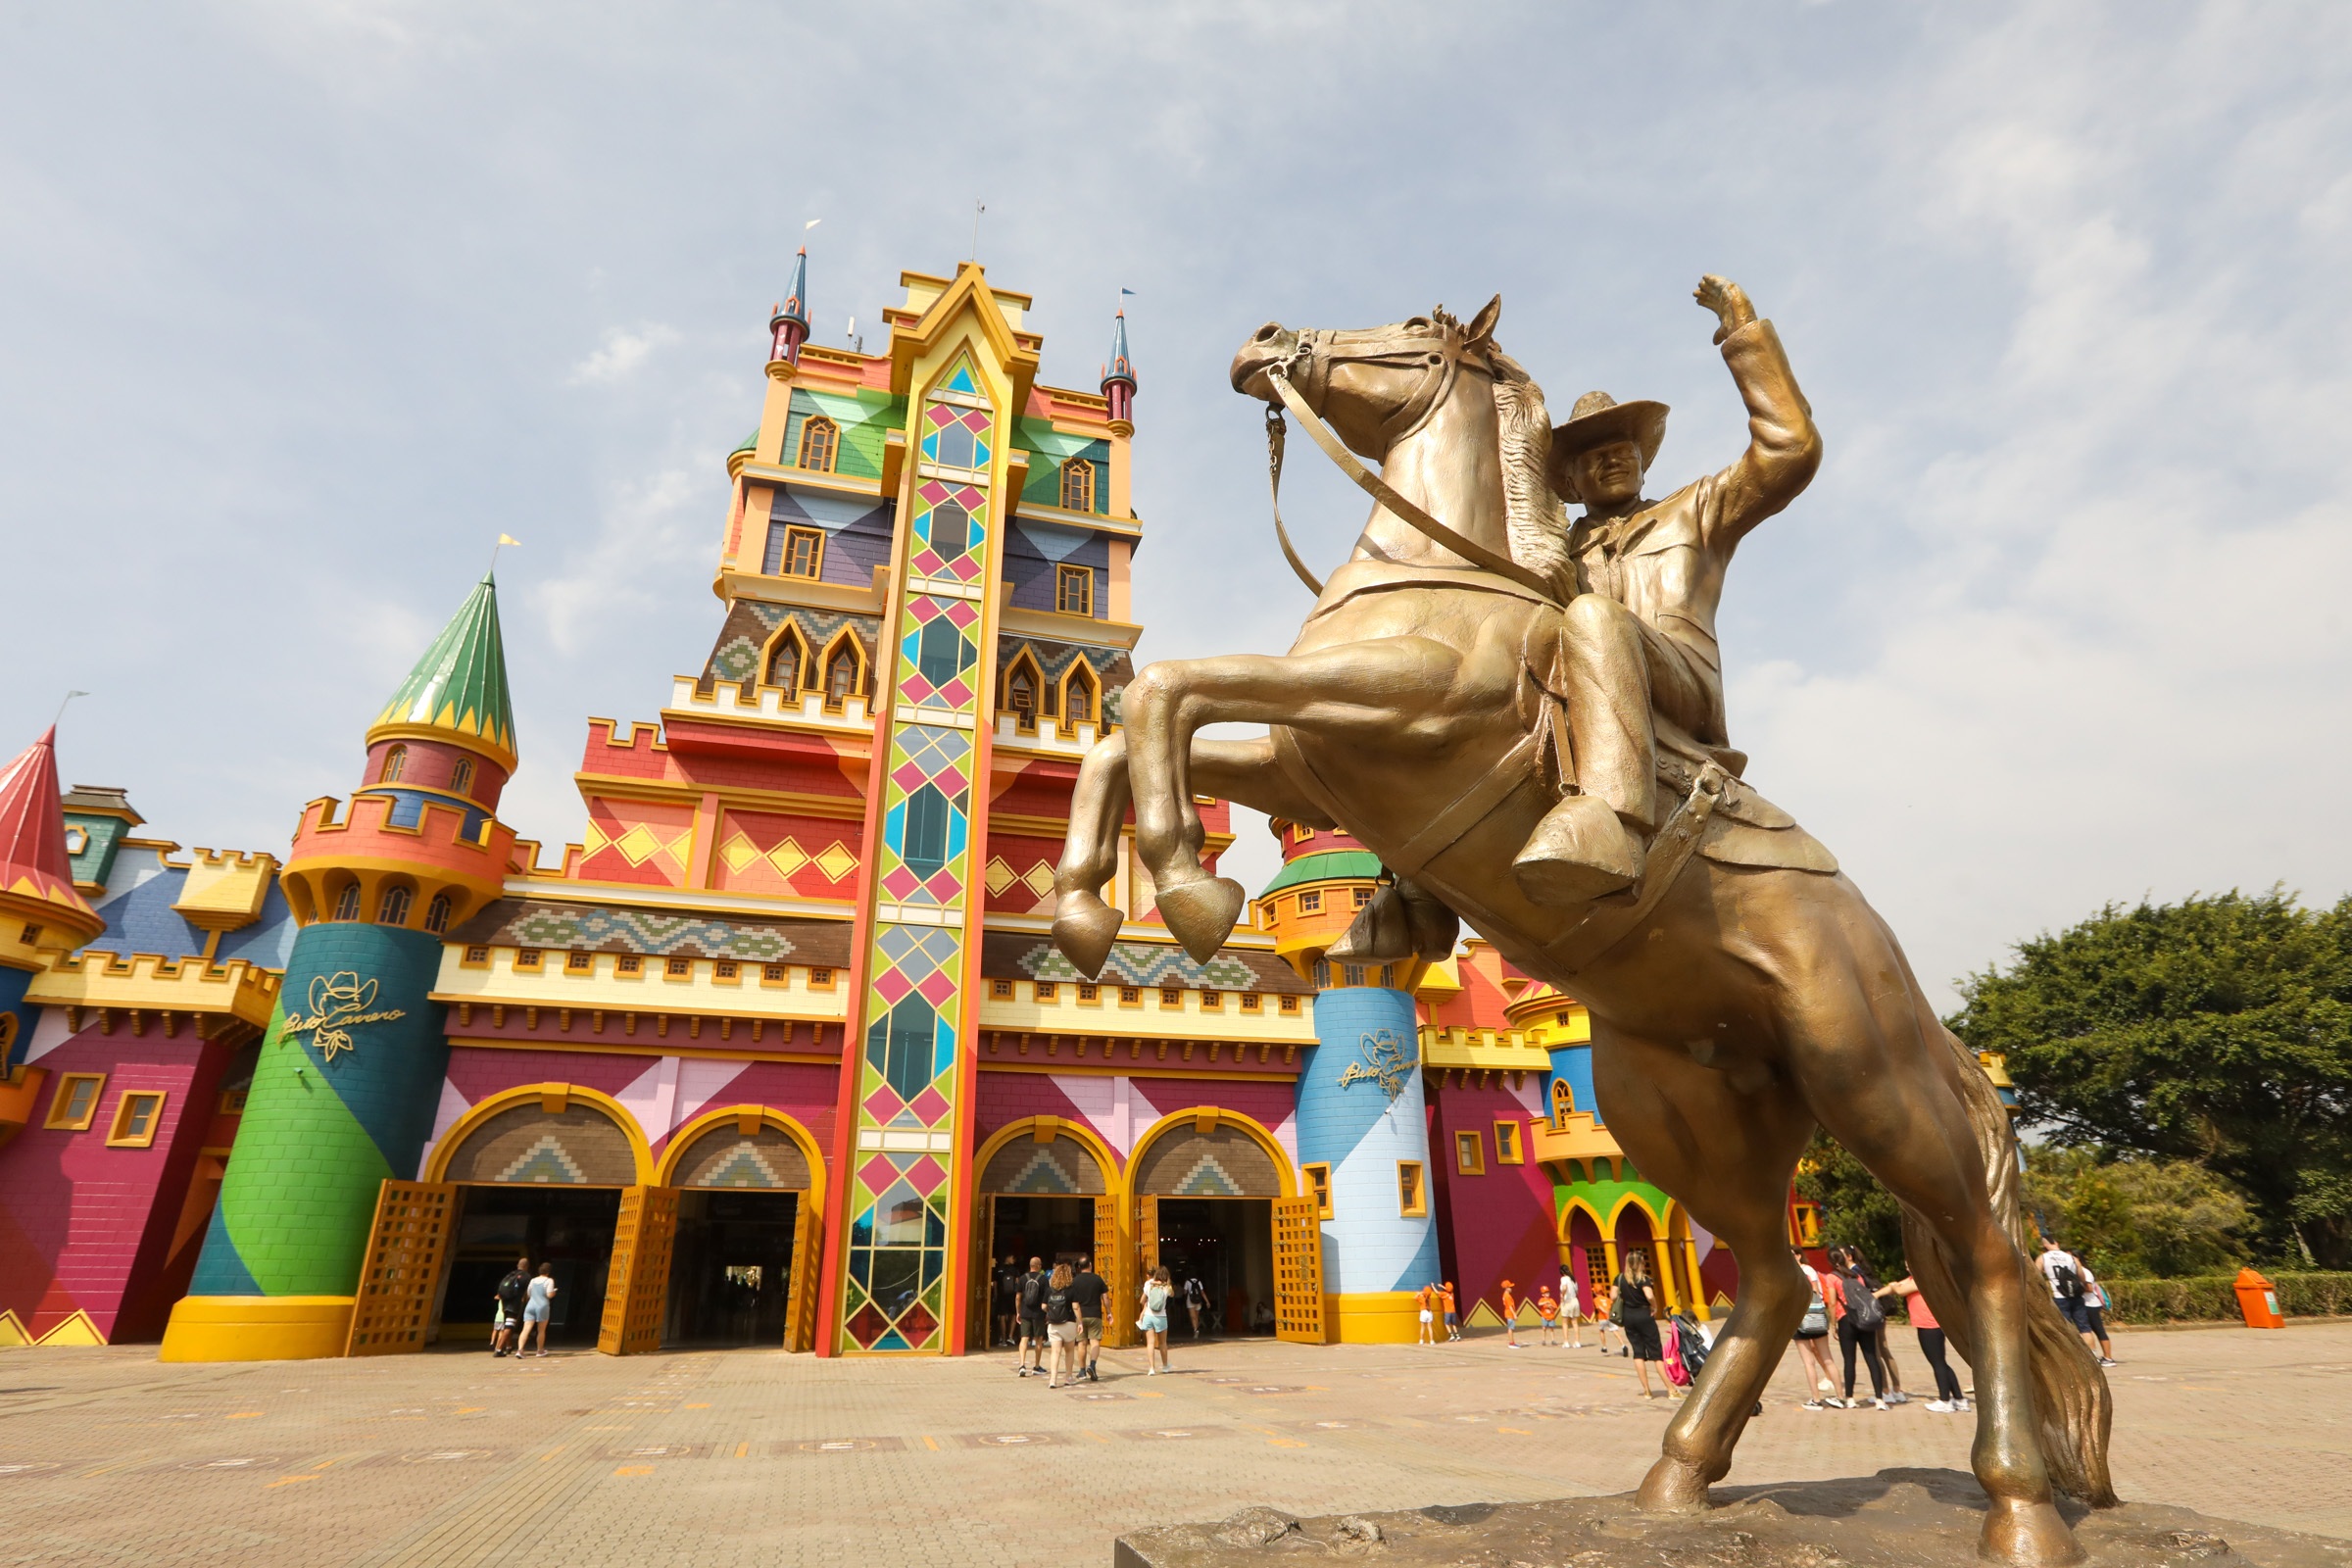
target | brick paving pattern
x=757, y=1457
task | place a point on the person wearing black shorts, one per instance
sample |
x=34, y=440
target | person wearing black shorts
x=1635, y=1301
x=1033, y=1318
x=1088, y=1291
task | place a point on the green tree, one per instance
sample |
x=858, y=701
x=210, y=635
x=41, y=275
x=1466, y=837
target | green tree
x=1855, y=1211
x=2217, y=1030
x=2136, y=1218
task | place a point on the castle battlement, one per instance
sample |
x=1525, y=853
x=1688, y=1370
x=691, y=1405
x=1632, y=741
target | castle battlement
x=146, y=987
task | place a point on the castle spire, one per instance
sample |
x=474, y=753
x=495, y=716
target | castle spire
x=37, y=873
x=458, y=692
x=1118, y=376
x=788, y=323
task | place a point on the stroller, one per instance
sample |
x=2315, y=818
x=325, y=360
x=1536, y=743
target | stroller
x=1685, y=1346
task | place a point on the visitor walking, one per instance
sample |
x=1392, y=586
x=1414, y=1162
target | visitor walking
x=512, y=1292
x=1813, y=1337
x=1572, y=1303
x=1090, y=1291
x=1949, y=1397
x=1510, y=1316
x=2091, y=1319
x=1446, y=1305
x=1008, y=1302
x=1427, y=1301
x=1859, y=1270
x=537, y=1303
x=1859, y=1318
x=1063, y=1325
x=1033, y=1319
x=1195, y=1300
x=1634, y=1304
x=2064, y=1272
x=1154, y=1321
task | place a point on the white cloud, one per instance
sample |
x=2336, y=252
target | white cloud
x=623, y=353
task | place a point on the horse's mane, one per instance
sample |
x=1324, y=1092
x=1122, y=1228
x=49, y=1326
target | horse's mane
x=1539, y=523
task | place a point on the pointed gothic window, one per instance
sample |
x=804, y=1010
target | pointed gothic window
x=841, y=674
x=347, y=902
x=394, y=910
x=396, y=763
x=1078, y=695
x=1020, y=696
x=820, y=442
x=1563, y=1103
x=461, y=777
x=436, y=915
x=788, y=661
x=1078, y=485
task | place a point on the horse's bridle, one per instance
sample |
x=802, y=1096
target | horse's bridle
x=1441, y=363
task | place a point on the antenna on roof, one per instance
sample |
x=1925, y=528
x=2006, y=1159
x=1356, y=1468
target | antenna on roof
x=60, y=707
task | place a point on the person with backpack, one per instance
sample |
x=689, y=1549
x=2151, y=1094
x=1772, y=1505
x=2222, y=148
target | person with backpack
x=1632, y=1303
x=1153, y=1320
x=1859, y=1320
x=2064, y=1271
x=1033, y=1319
x=1813, y=1337
x=1063, y=1326
x=511, y=1292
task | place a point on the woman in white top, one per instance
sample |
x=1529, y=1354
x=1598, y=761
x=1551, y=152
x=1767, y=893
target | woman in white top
x=1155, y=1321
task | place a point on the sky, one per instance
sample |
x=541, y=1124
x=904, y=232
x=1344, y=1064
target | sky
x=303, y=304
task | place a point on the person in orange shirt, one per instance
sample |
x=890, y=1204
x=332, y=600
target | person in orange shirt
x=1548, y=1316
x=1510, y=1316
x=1453, y=1321
x=1427, y=1301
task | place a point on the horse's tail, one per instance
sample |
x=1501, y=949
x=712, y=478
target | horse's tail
x=2070, y=1392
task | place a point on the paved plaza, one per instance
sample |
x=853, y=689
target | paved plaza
x=757, y=1457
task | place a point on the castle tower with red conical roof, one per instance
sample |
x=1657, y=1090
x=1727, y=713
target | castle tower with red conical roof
x=40, y=912
x=344, y=1093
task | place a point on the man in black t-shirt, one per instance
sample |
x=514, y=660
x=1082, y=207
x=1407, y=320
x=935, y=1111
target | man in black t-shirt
x=1089, y=1290
x=1033, y=1318
x=510, y=1292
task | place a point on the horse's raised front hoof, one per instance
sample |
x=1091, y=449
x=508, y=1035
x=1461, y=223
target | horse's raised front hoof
x=1084, y=928
x=1200, y=915
x=1580, y=851
x=1673, y=1486
x=2028, y=1534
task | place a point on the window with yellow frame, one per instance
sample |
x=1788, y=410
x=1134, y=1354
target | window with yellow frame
x=1507, y=1150
x=1469, y=1153
x=74, y=1102
x=1318, y=1185
x=1412, y=1188
x=138, y=1115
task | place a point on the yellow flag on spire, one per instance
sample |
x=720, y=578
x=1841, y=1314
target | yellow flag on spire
x=509, y=539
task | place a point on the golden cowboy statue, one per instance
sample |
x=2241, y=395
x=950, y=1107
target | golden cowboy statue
x=1524, y=719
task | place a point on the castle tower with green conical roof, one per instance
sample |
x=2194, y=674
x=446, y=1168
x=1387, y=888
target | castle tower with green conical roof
x=344, y=1093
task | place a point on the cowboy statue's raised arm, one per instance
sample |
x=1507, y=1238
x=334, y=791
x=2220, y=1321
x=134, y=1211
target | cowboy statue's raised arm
x=1784, y=448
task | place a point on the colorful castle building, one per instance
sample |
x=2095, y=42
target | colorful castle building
x=781, y=1051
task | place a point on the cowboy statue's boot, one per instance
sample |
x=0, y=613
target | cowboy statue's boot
x=1580, y=851
x=1402, y=922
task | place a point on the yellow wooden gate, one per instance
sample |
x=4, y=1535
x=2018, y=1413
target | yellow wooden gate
x=808, y=1258
x=1118, y=1267
x=637, y=1287
x=1297, y=1270
x=406, y=1248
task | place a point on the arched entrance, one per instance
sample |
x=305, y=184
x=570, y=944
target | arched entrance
x=1584, y=1259
x=539, y=1175
x=740, y=1270
x=1206, y=1181
x=1636, y=1231
x=1045, y=1190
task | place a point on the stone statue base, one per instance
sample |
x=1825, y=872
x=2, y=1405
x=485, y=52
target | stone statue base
x=1895, y=1519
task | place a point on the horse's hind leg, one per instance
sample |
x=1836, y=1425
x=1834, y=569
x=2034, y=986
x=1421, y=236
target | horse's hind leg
x=1084, y=926
x=1857, y=1042
x=1727, y=1155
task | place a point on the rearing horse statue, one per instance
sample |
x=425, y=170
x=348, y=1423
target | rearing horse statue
x=1741, y=992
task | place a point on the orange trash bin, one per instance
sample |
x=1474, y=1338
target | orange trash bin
x=2259, y=1300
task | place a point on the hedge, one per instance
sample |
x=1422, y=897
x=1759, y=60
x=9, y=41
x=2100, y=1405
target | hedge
x=2212, y=1297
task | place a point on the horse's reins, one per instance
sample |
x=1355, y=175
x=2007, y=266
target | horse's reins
x=1422, y=403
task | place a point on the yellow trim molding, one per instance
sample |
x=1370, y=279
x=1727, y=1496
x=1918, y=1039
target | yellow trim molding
x=257, y=1328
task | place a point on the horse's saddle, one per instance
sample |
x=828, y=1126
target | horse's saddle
x=1745, y=829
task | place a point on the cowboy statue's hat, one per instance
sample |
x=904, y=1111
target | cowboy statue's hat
x=1598, y=419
